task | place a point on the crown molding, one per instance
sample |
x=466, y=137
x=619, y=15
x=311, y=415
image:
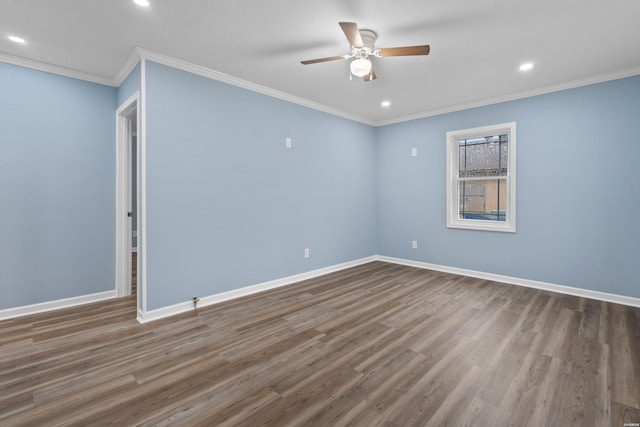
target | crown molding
x=54, y=69
x=629, y=72
x=139, y=53
x=235, y=81
x=127, y=67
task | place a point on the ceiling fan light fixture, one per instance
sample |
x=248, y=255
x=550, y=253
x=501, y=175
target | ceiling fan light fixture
x=360, y=67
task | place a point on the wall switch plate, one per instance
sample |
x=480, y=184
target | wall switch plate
x=287, y=142
x=414, y=152
x=414, y=244
x=306, y=253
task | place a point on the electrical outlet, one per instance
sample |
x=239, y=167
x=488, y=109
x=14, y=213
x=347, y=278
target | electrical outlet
x=306, y=253
x=414, y=152
x=287, y=143
x=414, y=244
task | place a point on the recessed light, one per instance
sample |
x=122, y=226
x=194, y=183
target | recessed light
x=385, y=103
x=144, y=3
x=17, y=39
x=526, y=66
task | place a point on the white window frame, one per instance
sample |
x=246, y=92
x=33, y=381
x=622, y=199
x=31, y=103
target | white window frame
x=453, y=164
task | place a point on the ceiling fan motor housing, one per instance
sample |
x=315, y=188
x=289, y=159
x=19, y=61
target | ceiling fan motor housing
x=368, y=40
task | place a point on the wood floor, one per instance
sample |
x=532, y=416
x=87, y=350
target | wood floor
x=378, y=344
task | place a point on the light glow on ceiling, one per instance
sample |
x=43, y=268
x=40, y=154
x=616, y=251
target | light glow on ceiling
x=17, y=39
x=526, y=66
x=144, y=3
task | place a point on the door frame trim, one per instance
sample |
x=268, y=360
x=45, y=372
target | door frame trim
x=123, y=191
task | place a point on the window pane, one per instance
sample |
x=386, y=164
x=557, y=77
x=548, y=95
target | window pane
x=484, y=156
x=483, y=200
x=481, y=173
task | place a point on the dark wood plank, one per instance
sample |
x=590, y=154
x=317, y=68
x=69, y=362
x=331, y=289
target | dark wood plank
x=374, y=345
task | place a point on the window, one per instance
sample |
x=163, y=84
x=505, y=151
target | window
x=481, y=178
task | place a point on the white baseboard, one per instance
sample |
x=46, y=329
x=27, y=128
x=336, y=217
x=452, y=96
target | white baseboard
x=26, y=310
x=562, y=289
x=182, y=307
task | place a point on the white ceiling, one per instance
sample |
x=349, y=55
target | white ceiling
x=476, y=45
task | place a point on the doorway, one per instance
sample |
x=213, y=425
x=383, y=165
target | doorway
x=127, y=197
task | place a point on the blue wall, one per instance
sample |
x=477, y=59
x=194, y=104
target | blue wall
x=57, y=190
x=228, y=206
x=578, y=200
x=130, y=85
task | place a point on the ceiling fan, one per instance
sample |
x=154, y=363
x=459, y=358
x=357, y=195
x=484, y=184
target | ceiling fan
x=362, y=42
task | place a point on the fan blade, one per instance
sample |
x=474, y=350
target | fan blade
x=405, y=51
x=371, y=75
x=352, y=32
x=330, y=58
